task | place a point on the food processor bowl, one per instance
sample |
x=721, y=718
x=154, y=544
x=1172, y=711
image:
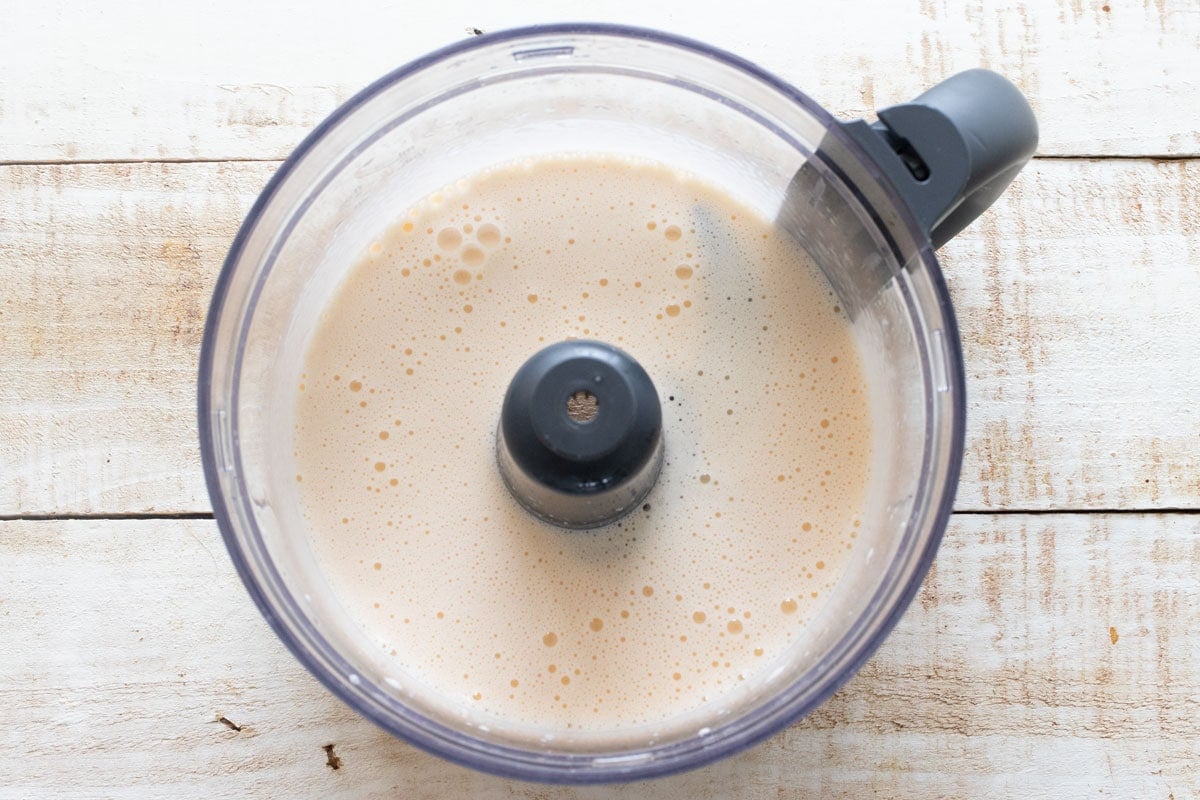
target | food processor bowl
x=867, y=202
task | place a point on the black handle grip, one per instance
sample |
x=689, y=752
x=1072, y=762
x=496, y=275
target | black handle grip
x=953, y=150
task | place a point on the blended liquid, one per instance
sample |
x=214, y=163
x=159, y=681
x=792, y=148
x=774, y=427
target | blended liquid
x=766, y=428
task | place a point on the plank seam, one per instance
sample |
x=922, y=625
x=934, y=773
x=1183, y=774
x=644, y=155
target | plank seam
x=105, y=517
x=1150, y=157
x=964, y=512
x=1034, y=512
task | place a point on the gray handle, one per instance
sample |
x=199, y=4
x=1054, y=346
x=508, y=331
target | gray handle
x=953, y=150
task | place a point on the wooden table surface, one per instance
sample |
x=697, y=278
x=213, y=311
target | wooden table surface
x=1054, y=650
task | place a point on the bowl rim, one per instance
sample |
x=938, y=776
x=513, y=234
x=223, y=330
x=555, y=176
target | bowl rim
x=581, y=768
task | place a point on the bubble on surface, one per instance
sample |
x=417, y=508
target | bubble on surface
x=473, y=255
x=488, y=235
x=449, y=238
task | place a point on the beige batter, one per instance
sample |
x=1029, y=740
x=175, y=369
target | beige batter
x=765, y=422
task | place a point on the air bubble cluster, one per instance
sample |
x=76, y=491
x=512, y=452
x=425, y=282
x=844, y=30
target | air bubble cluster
x=701, y=591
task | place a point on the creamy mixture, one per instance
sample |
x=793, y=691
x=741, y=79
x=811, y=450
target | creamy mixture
x=765, y=422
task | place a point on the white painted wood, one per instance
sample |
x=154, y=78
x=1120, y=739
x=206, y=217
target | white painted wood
x=1049, y=656
x=107, y=272
x=1077, y=296
x=226, y=79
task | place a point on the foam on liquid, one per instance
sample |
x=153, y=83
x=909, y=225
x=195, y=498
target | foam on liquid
x=765, y=422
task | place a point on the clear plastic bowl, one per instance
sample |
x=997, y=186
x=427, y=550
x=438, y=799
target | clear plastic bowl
x=594, y=89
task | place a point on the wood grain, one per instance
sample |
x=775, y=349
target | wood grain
x=1048, y=656
x=1076, y=296
x=1076, y=293
x=223, y=79
x=107, y=273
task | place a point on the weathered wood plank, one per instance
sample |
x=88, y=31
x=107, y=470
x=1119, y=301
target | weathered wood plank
x=1077, y=298
x=1047, y=656
x=230, y=80
x=107, y=272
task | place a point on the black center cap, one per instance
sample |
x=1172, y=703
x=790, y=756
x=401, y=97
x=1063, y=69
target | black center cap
x=608, y=385
x=580, y=418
